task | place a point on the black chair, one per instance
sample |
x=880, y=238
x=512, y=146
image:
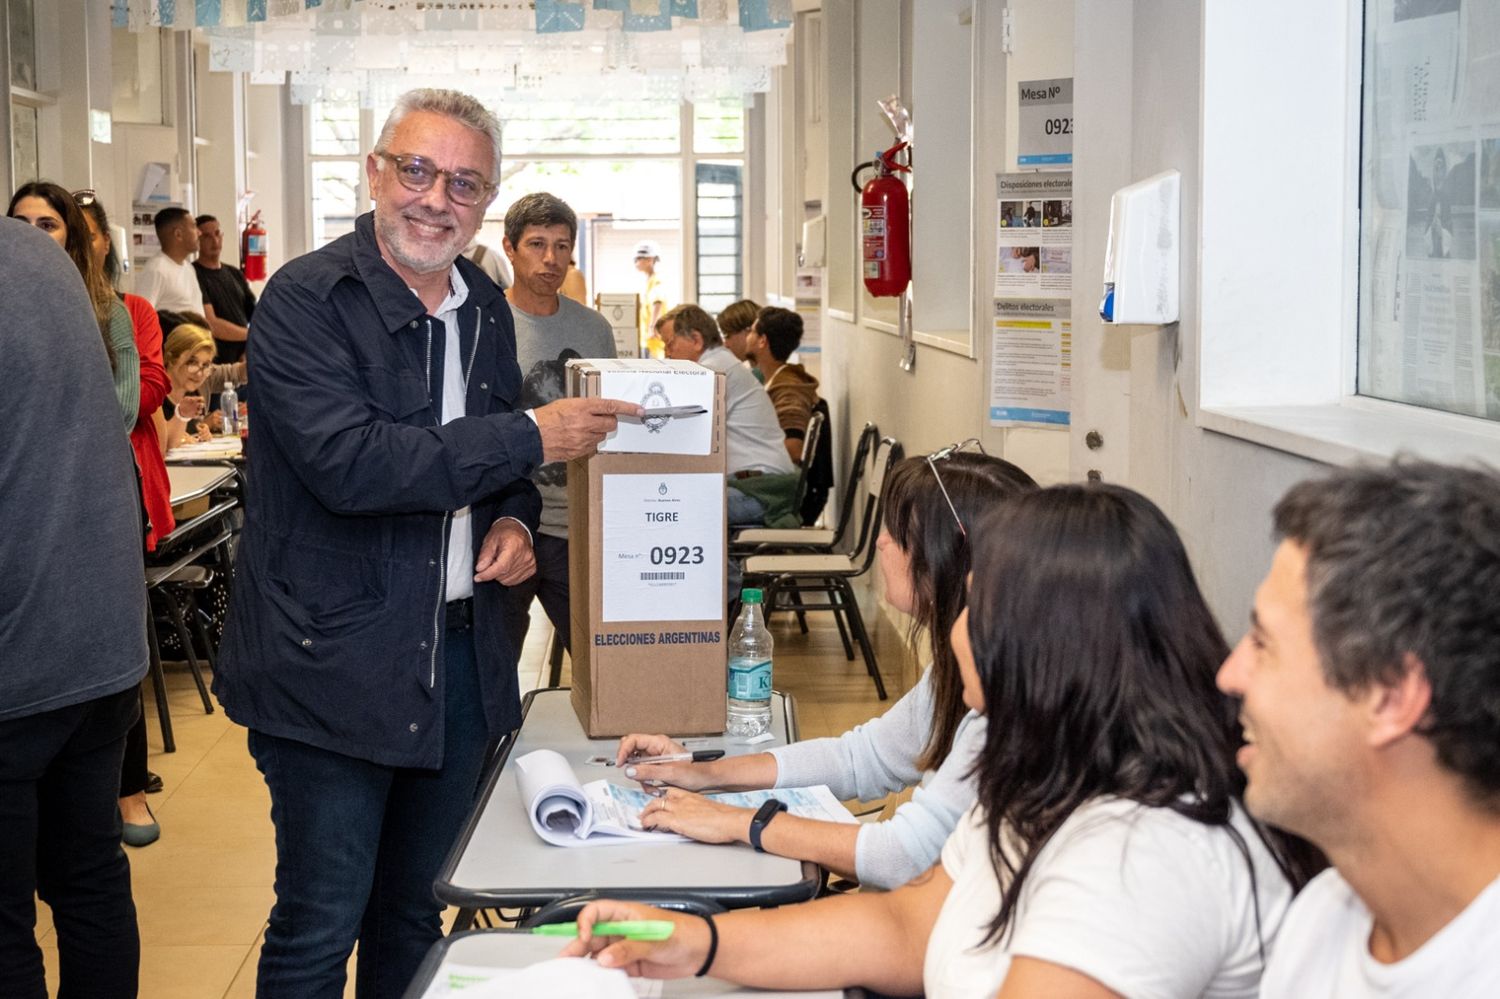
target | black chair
x=794, y=574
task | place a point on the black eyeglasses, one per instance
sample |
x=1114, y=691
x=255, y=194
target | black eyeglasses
x=943, y=454
x=418, y=173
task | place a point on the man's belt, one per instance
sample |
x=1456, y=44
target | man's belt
x=460, y=614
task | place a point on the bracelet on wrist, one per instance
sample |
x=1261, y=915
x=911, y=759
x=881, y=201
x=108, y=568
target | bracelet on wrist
x=713, y=945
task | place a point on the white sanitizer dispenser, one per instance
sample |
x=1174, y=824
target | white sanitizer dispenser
x=1141, y=261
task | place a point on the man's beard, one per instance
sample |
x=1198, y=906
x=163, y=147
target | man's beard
x=420, y=258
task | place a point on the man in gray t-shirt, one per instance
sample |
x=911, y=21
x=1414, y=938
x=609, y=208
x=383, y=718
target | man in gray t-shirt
x=539, y=234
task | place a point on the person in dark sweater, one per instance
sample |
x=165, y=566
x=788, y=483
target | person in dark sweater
x=225, y=290
x=73, y=631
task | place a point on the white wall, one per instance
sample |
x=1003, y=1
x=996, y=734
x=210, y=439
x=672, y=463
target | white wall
x=1138, y=112
x=945, y=398
x=1138, y=77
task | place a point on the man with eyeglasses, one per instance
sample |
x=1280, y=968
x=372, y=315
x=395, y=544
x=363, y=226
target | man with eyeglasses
x=389, y=503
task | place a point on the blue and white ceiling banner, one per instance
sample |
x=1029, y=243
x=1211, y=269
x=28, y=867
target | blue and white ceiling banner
x=559, y=15
x=508, y=49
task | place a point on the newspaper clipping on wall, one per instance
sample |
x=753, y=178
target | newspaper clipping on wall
x=1430, y=218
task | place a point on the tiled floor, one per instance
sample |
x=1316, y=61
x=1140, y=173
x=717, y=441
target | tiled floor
x=203, y=890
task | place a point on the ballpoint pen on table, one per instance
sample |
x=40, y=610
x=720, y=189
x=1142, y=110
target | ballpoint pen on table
x=696, y=756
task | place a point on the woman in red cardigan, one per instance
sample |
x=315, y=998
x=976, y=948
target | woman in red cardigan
x=156, y=488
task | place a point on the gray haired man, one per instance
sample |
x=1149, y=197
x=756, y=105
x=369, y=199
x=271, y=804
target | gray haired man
x=366, y=647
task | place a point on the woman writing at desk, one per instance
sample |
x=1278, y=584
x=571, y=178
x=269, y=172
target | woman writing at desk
x=1108, y=852
x=188, y=354
x=928, y=737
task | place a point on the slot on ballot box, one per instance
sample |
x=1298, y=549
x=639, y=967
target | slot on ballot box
x=646, y=553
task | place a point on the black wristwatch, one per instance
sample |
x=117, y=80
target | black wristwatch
x=763, y=816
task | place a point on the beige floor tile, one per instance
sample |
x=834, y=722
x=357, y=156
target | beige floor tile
x=188, y=972
x=174, y=972
x=209, y=914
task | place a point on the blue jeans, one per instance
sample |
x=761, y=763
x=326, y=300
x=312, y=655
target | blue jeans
x=742, y=511
x=60, y=839
x=358, y=845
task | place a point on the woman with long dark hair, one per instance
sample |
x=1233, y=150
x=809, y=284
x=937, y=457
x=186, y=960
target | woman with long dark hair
x=928, y=737
x=131, y=312
x=1108, y=853
x=51, y=209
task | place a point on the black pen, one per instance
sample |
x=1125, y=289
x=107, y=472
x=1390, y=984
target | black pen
x=696, y=756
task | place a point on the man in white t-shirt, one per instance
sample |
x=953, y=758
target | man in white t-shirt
x=1370, y=682
x=167, y=280
x=762, y=479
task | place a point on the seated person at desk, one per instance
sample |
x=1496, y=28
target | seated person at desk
x=1108, y=853
x=772, y=338
x=734, y=326
x=762, y=479
x=188, y=354
x=926, y=738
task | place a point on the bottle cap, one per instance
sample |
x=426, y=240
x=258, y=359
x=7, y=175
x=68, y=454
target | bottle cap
x=750, y=596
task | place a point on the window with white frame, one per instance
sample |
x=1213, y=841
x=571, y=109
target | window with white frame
x=1429, y=249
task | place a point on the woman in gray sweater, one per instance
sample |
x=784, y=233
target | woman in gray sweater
x=927, y=738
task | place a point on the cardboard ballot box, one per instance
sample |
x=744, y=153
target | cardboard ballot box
x=646, y=554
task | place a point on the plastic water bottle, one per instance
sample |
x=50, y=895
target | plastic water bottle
x=749, y=703
x=229, y=404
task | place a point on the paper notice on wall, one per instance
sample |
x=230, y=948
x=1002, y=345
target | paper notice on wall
x=621, y=311
x=809, y=302
x=660, y=385
x=1044, y=131
x=1031, y=362
x=664, y=547
x=143, y=242
x=1034, y=235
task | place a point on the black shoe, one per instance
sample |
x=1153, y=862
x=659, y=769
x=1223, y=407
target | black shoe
x=153, y=782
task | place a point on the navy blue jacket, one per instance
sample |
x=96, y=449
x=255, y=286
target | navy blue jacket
x=336, y=620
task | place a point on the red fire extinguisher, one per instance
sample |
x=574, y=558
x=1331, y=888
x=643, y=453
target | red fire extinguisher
x=253, y=250
x=884, y=225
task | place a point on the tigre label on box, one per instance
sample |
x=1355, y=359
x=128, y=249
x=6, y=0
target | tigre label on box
x=663, y=548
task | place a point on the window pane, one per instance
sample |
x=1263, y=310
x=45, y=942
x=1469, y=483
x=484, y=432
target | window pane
x=335, y=128
x=626, y=189
x=25, y=156
x=718, y=188
x=22, y=44
x=1429, y=267
x=138, y=94
x=335, y=199
x=719, y=126
x=598, y=127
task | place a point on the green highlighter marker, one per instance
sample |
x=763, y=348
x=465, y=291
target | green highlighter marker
x=630, y=929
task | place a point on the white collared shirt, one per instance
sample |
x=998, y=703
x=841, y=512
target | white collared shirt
x=460, y=578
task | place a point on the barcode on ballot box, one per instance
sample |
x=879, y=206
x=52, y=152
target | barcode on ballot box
x=647, y=577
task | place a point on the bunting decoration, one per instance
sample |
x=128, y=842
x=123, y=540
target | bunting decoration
x=503, y=50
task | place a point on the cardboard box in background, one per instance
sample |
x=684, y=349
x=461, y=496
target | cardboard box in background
x=646, y=554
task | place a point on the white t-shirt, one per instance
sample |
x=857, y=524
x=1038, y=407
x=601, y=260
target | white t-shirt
x=1143, y=900
x=169, y=286
x=1324, y=951
x=755, y=441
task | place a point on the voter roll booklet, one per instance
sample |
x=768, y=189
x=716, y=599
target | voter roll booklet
x=567, y=812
